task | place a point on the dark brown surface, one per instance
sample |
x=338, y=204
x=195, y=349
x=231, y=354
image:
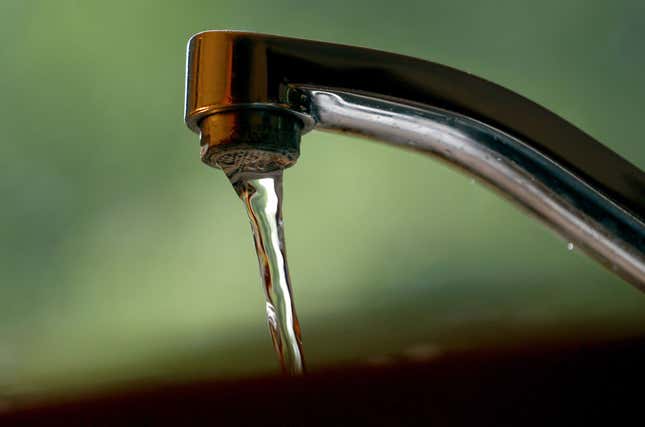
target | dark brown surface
x=568, y=385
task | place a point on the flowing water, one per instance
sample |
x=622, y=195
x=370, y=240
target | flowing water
x=262, y=196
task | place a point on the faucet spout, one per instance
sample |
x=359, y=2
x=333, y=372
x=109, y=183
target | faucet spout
x=251, y=96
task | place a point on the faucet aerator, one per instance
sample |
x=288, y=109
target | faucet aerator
x=250, y=142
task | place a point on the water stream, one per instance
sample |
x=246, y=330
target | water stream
x=262, y=196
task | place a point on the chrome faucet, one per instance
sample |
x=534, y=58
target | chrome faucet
x=251, y=96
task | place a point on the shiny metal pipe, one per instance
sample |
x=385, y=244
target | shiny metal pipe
x=528, y=178
x=574, y=184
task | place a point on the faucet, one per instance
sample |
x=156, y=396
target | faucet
x=251, y=96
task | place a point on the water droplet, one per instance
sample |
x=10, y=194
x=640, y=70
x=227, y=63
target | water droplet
x=570, y=246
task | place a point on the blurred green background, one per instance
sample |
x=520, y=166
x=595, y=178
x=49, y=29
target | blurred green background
x=125, y=259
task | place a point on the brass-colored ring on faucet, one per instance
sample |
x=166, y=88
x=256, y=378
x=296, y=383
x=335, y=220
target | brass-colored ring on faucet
x=250, y=140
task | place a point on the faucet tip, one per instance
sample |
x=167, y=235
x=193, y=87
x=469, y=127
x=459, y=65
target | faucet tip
x=250, y=142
